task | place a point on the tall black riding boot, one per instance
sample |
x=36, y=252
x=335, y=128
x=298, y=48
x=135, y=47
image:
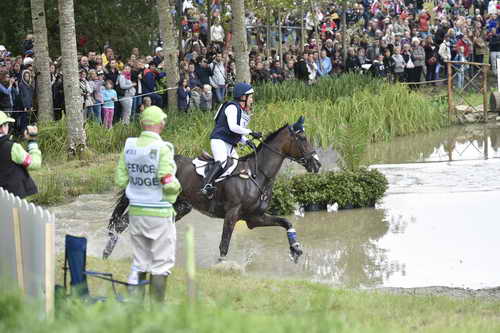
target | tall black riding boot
x=157, y=288
x=138, y=292
x=207, y=188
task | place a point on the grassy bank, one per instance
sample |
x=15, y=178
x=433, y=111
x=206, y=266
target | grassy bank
x=234, y=303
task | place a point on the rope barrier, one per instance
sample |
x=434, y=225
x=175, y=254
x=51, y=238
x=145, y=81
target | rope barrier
x=118, y=100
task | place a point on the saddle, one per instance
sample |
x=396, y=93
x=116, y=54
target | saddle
x=205, y=161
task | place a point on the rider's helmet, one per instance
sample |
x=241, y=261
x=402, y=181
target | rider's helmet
x=241, y=89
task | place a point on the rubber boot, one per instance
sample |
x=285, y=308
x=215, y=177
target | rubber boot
x=138, y=292
x=207, y=188
x=157, y=288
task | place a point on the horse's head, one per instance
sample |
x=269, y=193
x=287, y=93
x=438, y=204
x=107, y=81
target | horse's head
x=300, y=149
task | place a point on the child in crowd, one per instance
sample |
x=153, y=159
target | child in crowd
x=399, y=65
x=146, y=102
x=183, y=95
x=109, y=97
x=460, y=68
x=206, y=98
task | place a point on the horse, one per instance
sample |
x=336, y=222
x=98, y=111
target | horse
x=242, y=195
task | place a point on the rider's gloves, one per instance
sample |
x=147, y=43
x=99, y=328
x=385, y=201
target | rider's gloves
x=256, y=135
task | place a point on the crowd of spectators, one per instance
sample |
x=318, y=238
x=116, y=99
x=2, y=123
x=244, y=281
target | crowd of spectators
x=396, y=40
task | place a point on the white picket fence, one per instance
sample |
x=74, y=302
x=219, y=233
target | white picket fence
x=27, y=248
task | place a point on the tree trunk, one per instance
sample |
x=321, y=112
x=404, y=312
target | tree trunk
x=72, y=96
x=316, y=25
x=344, y=31
x=170, y=51
x=209, y=21
x=302, y=30
x=41, y=48
x=240, y=45
x=280, y=40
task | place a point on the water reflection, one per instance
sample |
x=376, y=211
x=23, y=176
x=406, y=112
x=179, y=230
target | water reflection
x=452, y=144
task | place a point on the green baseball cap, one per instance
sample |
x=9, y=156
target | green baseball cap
x=5, y=119
x=152, y=115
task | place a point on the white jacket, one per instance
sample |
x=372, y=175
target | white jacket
x=444, y=51
x=217, y=33
x=218, y=77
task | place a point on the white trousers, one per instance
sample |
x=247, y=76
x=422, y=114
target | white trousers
x=222, y=150
x=153, y=244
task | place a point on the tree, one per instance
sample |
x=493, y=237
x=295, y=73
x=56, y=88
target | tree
x=170, y=51
x=42, y=61
x=72, y=98
x=240, y=45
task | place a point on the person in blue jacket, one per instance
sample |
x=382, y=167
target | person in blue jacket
x=231, y=128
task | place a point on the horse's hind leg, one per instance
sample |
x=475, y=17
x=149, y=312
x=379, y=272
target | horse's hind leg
x=182, y=208
x=276, y=221
x=232, y=216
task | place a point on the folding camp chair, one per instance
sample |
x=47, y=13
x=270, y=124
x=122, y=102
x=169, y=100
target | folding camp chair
x=75, y=260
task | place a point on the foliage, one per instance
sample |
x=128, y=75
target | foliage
x=350, y=189
x=125, y=25
x=250, y=304
x=282, y=202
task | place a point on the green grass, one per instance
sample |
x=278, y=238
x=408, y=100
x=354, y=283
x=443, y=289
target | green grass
x=238, y=303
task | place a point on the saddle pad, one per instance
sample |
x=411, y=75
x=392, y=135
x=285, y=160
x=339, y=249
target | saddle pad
x=200, y=167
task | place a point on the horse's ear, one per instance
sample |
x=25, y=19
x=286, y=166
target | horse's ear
x=299, y=125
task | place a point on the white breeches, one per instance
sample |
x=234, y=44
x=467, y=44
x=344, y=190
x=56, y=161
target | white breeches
x=222, y=150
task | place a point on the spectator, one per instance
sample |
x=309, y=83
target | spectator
x=418, y=57
x=312, y=68
x=460, y=68
x=218, y=77
x=183, y=95
x=6, y=83
x=109, y=97
x=97, y=86
x=149, y=84
x=26, y=92
x=128, y=88
x=276, y=72
x=206, y=98
x=431, y=59
x=288, y=72
x=324, y=64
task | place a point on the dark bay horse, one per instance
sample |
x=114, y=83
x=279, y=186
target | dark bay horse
x=246, y=194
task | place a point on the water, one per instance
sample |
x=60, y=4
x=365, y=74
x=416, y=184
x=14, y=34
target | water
x=437, y=224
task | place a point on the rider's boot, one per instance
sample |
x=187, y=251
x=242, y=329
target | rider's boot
x=157, y=288
x=207, y=188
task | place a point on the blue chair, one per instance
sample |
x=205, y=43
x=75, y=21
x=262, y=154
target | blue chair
x=75, y=261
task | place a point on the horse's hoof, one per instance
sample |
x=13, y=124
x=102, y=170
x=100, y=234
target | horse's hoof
x=296, y=252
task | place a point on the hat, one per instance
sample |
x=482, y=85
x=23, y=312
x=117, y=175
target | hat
x=27, y=61
x=28, y=52
x=2, y=48
x=152, y=115
x=5, y=119
x=100, y=73
x=158, y=49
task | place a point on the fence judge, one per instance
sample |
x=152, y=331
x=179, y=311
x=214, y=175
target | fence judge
x=147, y=170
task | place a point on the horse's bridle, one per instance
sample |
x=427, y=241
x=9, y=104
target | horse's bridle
x=295, y=135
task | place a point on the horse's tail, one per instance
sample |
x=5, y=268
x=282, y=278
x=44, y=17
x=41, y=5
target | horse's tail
x=119, y=219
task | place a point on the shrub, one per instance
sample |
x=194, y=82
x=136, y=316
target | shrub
x=350, y=189
x=282, y=202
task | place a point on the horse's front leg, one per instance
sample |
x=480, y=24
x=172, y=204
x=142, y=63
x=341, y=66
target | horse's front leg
x=232, y=216
x=276, y=221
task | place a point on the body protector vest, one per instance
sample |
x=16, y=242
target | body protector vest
x=14, y=177
x=144, y=188
x=222, y=130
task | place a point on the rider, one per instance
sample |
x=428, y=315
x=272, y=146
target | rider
x=231, y=121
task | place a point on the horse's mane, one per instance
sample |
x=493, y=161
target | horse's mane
x=270, y=137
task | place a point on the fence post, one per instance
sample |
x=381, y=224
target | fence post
x=485, y=92
x=190, y=265
x=450, y=89
x=16, y=221
x=50, y=280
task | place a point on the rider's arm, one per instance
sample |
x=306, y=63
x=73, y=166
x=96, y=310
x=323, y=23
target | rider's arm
x=31, y=160
x=232, y=121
